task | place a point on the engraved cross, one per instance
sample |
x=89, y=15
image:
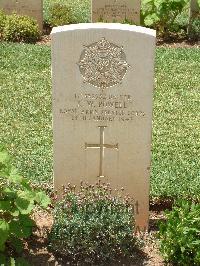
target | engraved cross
x=101, y=146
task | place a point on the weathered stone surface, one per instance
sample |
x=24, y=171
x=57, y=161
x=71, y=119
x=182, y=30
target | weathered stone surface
x=102, y=107
x=116, y=11
x=32, y=8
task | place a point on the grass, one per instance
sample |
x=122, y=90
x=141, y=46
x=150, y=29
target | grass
x=25, y=118
x=26, y=121
x=176, y=128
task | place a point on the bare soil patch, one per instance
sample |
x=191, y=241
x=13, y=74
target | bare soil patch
x=178, y=43
x=45, y=40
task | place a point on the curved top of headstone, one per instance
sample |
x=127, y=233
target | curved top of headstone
x=111, y=26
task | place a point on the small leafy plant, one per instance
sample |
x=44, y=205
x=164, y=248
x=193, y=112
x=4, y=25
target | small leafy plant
x=2, y=22
x=162, y=14
x=20, y=29
x=92, y=226
x=59, y=15
x=80, y=10
x=17, y=201
x=194, y=33
x=180, y=235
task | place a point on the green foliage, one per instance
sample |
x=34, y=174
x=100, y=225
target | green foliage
x=59, y=15
x=17, y=201
x=180, y=235
x=92, y=226
x=10, y=261
x=20, y=29
x=79, y=10
x=195, y=28
x=162, y=14
x=2, y=22
x=181, y=22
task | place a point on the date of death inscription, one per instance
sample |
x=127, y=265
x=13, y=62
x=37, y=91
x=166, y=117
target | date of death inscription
x=101, y=107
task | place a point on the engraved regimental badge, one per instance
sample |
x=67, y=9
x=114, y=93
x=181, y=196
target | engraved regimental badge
x=103, y=64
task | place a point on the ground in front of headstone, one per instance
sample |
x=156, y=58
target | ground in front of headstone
x=37, y=253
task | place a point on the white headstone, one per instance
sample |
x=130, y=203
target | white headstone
x=116, y=11
x=102, y=107
x=31, y=8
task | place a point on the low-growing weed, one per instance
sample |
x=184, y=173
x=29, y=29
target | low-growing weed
x=93, y=226
x=17, y=201
x=180, y=235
